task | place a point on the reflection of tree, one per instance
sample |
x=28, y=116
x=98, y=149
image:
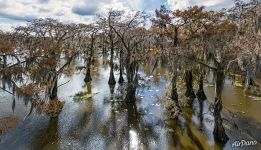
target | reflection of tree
x=95, y=71
x=188, y=135
x=112, y=88
x=201, y=105
x=83, y=124
x=89, y=87
x=127, y=129
x=182, y=130
x=48, y=140
x=157, y=77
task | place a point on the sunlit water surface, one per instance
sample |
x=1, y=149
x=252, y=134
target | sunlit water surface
x=102, y=122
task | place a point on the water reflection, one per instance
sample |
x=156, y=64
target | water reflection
x=127, y=128
x=200, y=115
x=134, y=141
x=49, y=140
x=103, y=121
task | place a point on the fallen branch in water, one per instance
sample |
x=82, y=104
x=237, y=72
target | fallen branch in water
x=7, y=91
x=64, y=83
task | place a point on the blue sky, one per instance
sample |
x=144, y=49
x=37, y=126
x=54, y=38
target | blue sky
x=18, y=12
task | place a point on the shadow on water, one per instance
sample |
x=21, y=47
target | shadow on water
x=49, y=139
x=101, y=120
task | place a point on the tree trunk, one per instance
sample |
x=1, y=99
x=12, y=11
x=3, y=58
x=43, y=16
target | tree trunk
x=121, y=79
x=112, y=78
x=249, y=80
x=174, y=93
x=201, y=94
x=88, y=77
x=189, y=85
x=219, y=131
x=4, y=73
x=4, y=62
x=131, y=90
x=257, y=67
x=53, y=92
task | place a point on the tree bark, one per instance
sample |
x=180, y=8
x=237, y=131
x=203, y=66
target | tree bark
x=201, y=94
x=219, y=131
x=121, y=79
x=189, y=85
x=4, y=73
x=88, y=77
x=174, y=93
x=249, y=79
x=111, y=78
x=132, y=85
x=53, y=92
x=131, y=90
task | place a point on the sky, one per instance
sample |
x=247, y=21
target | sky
x=18, y=12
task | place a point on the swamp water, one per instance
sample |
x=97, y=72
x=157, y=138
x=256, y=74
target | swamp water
x=103, y=122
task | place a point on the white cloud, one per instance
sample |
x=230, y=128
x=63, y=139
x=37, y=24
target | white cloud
x=135, y=4
x=9, y=26
x=213, y=4
x=14, y=12
x=178, y=4
x=209, y=3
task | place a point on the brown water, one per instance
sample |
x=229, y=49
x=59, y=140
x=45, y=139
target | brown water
x=103, y=122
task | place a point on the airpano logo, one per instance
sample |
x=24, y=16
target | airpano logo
x=243, y=143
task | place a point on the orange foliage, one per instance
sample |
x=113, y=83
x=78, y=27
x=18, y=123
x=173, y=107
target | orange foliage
x=13, y=70
x=6, y=48
x=29, y=89
x=8, y=122
x=48, y=63
x=51, y=108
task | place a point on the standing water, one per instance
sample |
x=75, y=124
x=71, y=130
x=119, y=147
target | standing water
x=101, y=120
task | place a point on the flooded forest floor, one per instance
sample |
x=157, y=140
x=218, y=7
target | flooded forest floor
x=100, y=120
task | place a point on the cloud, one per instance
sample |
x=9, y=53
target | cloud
x=10, y=25
x=89, y=7
x=44, y=1
x=209, y=4
x=147, y=5
x=16, y=18
x=178, y=4
x=85, y=10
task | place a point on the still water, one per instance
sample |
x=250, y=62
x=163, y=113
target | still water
x=104, y=122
